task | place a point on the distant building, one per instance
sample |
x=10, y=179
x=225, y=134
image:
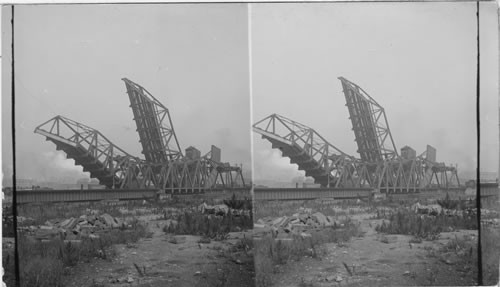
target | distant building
x=25, y=183
x=408, y=153
x=193, y=153
x=486, y=176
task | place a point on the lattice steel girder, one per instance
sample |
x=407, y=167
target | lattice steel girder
x=327, y=164
x=115, y=168
x=89, y=148
x=369, y=123
x=154, y=125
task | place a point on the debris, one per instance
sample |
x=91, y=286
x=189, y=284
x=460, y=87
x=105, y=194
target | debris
x=197, y=273
x=73, y=228
x=305, y=235
x=220, y=209
x=331, y=278
x=347, y=268
x=407, y=273
x=320, y=218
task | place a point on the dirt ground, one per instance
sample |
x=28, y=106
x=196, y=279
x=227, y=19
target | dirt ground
x=374, y=263
x=184, y=263
x=376, y=259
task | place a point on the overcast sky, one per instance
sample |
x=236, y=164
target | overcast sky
x=70, y=60
x=417, y=60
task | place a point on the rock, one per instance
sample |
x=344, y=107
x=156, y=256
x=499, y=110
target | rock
x=320, y=218
x=46, y=227
x=220, y=209
x=130, y=279
x=331, y=278
x=277, y=222
x=68, y=223
x=331, y=220
x=338, y=278
x=91, y=219
x=407, y=273
x=108, y=220
x=303, y=217
x=309, y=222
x=77, y=229
x=305, y=235
x=197, y=273
x=288, y=228
x=46, y=234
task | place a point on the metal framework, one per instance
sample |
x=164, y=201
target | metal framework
x=164, y=168
x=154, y=125
x=321, y=160
x=379, y=166
x=92, y=150
x=369, y=124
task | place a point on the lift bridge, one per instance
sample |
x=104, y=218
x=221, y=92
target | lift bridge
x=165, y=167
x=379, y=165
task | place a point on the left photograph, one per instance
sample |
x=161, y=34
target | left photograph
x=132, y=151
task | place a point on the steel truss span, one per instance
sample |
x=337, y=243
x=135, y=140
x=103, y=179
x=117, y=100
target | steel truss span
x=154, y=125
x=165, y=167
x=379, y=166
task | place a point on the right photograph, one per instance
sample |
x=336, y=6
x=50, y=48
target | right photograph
x=375, y=144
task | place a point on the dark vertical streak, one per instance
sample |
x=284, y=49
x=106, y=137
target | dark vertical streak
x=14, y=191
x=478, y=185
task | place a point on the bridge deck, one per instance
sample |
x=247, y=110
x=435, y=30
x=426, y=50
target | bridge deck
x=75, y=195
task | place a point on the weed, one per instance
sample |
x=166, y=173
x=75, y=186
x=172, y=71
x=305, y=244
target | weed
x=270, y=253
x=213, y=227
x=245, y=244
x=416, y=240
x=490, y=258
x=38, y=271
x=96, y=284
x=460, y=204
x=235, y=203
x=303, y=283
x=384, y=239
x=432, y=277
x=426, y=227
x=41, y=262
x=205, y=240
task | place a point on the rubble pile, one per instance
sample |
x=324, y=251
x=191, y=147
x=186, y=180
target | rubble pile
x=297, y=223
x=436, y=209
x=74, y=228
x=221, y=210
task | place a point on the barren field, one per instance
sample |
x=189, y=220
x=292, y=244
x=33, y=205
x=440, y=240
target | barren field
x=357, y=243
x=182, y=241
